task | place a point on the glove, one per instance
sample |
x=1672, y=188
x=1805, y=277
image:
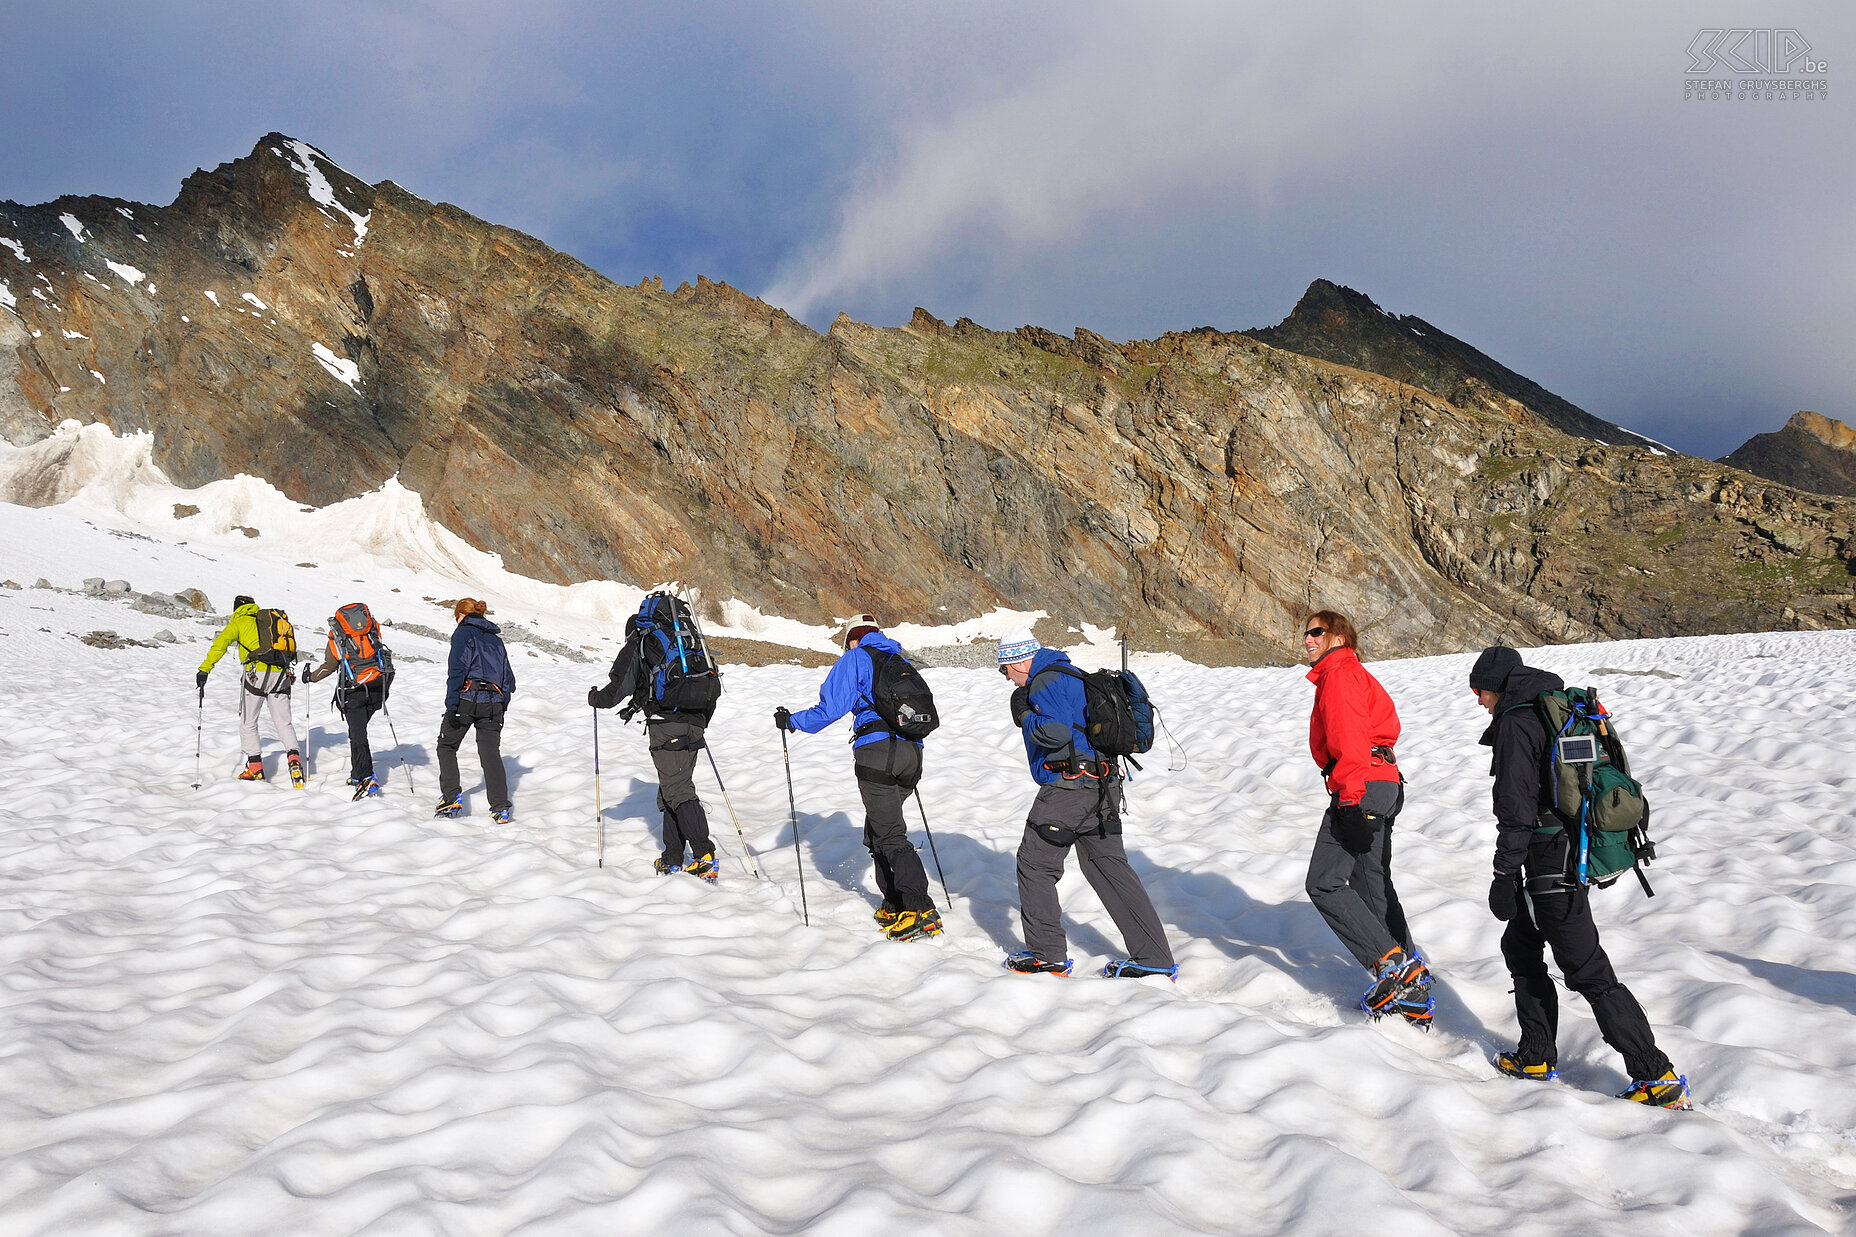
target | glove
x=199, y=681
x=456, y=721
x=1353, y=828
x=1021, y=705
x=782, y=719
x=592, y=697
x=1504, y=891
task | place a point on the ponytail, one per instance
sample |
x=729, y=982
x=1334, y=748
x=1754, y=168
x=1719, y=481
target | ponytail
x=469, y=605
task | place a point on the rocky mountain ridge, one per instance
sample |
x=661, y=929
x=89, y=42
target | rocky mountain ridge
x=1200, y=490
x=1811, y=452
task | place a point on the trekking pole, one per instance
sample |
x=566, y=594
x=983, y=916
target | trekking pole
x=945, y=895
x=199, y=732
x=396, y=745
x=752, y=866
x=793, y=805
x=599, y=813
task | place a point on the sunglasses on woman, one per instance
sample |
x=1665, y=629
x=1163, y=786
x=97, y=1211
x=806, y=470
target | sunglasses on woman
x=1314, y=633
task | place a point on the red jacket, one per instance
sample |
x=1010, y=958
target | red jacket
x=1352, y=716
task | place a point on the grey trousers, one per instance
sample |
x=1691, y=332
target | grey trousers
x=674, y=745
x=1353, y=891
x=250, y=705
x=887, y=772
x=1063, y=817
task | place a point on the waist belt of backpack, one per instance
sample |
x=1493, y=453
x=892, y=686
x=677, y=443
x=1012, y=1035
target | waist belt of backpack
x=1075, y=770
x=879, y=726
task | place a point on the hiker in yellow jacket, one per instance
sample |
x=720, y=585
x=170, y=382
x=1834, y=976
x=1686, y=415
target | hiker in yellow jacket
x=266, y=647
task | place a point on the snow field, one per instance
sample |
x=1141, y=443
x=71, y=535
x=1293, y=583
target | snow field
x=248, y=1008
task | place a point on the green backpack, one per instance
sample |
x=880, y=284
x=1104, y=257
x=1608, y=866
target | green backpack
x=1594, y=795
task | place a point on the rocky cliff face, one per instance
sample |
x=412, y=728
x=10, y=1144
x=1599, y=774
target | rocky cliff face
x=1811, y=452
x=1202, y=490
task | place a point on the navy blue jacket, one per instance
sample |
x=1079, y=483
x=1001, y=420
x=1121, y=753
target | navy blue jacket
x=849, y=688
x=477, y=653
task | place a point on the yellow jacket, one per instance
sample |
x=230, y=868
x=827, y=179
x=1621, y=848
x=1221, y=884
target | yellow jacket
x=243, y=628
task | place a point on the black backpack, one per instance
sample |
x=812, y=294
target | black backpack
x=900, y=696
x=1118, y=714
x=677, y=674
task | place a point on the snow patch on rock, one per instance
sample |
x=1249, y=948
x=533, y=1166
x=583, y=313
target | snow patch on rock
x=129, y=274
x=19, y=250
x=320, y=190
x=76, y=229
x=340, y=368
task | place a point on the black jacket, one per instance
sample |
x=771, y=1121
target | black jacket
x=1519, y=766
x=629, y=680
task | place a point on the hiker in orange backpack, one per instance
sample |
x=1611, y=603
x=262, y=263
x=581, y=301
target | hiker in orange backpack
x=366, y=669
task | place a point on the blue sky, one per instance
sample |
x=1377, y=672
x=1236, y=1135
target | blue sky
x=1529, y=179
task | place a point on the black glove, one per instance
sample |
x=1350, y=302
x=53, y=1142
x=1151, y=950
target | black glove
x=592, y=697
x=1021, y=705
x=456, y=721
x=782, y=718
x=199, y=681
x=1353, y=828
x=1504, y=892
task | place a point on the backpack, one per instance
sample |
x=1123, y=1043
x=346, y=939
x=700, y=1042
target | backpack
x=276, y=641
x=900, y=696
x=1594, y=794
x=678, y=674
x=1118, y=714
x=355, y=638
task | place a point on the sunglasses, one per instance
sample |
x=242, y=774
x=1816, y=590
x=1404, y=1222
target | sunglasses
x=1314, y=633
x=1005, y=672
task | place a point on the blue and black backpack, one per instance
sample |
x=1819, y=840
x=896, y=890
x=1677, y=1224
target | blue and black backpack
x=676, y=673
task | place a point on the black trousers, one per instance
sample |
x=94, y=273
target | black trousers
x=359, y=704
x=1563, y=922
x=887, y=771
x=489, y=726
x=674, y=745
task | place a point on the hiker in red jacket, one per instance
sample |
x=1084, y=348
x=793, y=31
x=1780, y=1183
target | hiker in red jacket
x=1351, y=735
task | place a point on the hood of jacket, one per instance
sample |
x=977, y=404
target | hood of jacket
x=880, y=642
x=1524, y=684
x=478, y=620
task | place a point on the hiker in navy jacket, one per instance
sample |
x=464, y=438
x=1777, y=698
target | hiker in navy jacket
x=1078, y=804
x=479, y=682
x=888, y=767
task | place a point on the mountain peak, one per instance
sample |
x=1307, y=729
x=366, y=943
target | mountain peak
x=1811, y=452
x=1333, y=322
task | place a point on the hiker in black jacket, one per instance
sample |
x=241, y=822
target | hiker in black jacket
x=1532, y=893
x=674, y=736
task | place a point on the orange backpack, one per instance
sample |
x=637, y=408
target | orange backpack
x=354, y=638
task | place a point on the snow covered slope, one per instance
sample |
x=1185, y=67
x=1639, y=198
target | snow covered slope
x=247, y=1009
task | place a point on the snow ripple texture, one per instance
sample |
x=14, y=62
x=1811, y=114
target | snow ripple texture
x=247, y=1009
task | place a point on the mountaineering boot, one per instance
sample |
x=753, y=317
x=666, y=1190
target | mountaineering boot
x=1669, y=1091
x=703, y=868
x=1415, y=1010
x=503, y=815
x=885, y=917
x=448, y=807
x=1510, y=1064
x=1399, y=976
x=1028, y=963
x=296, y=768
x=664, y=867
x=911, y=924
x=253, y=770
x=1127, y=968
x=365, y=790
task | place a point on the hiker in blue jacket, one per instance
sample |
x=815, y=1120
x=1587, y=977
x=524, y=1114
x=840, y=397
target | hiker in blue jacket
x=478, y=686
x=1078, y=805
x=888, y=767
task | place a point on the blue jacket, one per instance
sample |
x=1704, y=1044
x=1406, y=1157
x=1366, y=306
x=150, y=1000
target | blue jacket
x=477, y=653
x=1053, y=728
x=849, y=688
